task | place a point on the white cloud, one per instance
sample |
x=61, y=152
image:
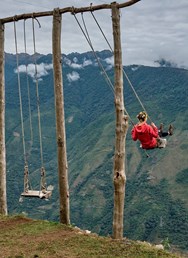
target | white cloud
x=42, y=70
x=76, y=66
x=74, y=76
x=110, y=62
x=67, y=61
x=87, y=62
x=135, y=68
x=75, y=60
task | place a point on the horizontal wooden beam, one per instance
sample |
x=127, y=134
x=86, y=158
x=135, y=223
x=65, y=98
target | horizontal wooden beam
x=66, y=10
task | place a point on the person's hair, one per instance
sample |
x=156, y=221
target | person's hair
x=142, y=116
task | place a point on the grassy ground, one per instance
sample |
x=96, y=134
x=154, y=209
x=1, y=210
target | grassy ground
x=21, y=237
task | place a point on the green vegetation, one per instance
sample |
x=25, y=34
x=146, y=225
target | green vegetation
x=182, y=178
x=155, y=215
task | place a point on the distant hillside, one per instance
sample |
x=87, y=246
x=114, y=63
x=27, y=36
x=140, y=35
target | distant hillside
x=156, y=203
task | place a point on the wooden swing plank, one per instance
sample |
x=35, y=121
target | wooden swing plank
x=39, y=194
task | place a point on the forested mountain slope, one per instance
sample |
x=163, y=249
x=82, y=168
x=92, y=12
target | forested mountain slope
x=156, y=203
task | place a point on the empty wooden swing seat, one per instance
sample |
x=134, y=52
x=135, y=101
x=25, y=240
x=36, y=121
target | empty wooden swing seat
x=39, y=194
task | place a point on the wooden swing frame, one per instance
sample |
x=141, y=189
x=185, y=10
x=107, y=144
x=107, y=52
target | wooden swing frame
x=121, y=120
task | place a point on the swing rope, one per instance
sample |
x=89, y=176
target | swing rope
x=98, y=60
x=126, y=76
x=87, y=37
x=27, y=192
x=20, y=94
x=37, y=94
x=103, y=67
x=147, y=155
x=43, y=173
x=136, y=95
x=28, y=86
x=108, y=81
x=26, y=170
x=102, y=31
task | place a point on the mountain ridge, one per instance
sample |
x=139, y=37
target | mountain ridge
x=90, y=129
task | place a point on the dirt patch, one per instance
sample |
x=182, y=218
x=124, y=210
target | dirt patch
x=24, y=237
x=7, y=223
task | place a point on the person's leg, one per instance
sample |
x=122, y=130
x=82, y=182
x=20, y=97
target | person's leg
x=163, y=134
x=170, y=130
x=160, y=130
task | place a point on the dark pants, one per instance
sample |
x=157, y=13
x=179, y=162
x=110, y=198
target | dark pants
x=163, y=134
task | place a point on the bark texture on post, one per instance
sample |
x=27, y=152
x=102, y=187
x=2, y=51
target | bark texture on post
x=121, y=130
x=60, y=120
x=3, y=198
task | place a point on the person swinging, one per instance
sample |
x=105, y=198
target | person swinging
x=149, y=135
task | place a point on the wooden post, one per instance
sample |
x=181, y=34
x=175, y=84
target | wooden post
x=3, y=199
x=60, y=121
x=121, y=131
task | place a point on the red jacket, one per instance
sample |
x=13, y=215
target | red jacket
x=146, y=134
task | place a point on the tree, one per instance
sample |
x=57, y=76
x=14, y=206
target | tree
x=3, y=199
x=121, y=131
x=60, y=121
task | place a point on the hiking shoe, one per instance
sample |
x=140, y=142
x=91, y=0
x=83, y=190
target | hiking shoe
x=161, y=143
x=161, y=128
x=170, y=130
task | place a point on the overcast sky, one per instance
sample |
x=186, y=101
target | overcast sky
x=150, y=29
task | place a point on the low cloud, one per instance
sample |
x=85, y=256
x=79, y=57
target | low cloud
x=42, y=70
x=74, y=76
x=75, y=64
x=135, y=68
x=110, y=63
x=87, y=62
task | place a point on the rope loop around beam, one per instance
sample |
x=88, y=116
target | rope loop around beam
x=34, y=18
x=15, y=18
x=91, y=7
x=72, y=10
